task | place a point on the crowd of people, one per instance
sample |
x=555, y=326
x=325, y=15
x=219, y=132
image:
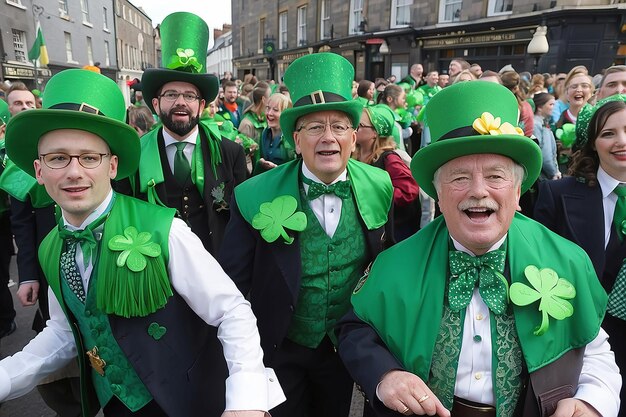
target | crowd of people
x=453, y=244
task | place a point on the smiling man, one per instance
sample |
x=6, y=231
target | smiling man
x=302, y=234
x=484, y=311
x=133, y=293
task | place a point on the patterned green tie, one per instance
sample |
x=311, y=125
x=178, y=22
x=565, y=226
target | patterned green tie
x=341, y=189
x=70, y=269
x=182, y=169
x=619, y=217
x=486, y=270
x=616, y=305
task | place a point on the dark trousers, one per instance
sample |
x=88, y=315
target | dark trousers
x=115, y=408
x=63, y=397
x=315, y=381
x=7, y=312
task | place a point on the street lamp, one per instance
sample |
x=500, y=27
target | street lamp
x=538, y=45
x=384, y=48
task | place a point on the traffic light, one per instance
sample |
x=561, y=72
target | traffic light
x=268, y=47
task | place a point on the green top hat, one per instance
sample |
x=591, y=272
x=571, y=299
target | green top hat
x=5, y=115
x=184, y=42
x=383, y=119
x=76, y=99
x=319, y=82
x=472, y=118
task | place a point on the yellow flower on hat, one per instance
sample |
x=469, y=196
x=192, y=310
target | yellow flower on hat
x=486, y=124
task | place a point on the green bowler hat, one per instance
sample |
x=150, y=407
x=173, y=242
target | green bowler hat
x=476, y=117
x=184, y=43
x=319, y=82
x=383, y=119
x=76, y=99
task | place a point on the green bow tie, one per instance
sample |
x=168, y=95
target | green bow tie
x=487, y=270
x=341, y=189
x=84, y=237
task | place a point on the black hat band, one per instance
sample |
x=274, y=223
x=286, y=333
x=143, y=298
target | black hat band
x=82, y=107
x=459, y=133
x=319, y=97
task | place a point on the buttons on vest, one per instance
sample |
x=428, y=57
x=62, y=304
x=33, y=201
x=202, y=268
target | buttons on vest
x=185, y=198
x=478, y=376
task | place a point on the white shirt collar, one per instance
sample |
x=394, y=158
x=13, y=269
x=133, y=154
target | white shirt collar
x=607, y=182
x=190, y=138
x=462, y=248
x=93, y=216
x=307, y=173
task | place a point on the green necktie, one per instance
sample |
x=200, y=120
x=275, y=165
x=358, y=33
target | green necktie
x=341, y=189
x=616, y=306
x=619, y=217
x=182, y=169
x=486, y=270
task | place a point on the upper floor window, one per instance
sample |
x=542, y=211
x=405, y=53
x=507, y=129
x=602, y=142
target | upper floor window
x=242, y=40
x=105, y=19
x=19, y=45
x=302, y=25
x=282, y=29
x=89, y=51
x=15, y=2
x=107, y=54
x=356, y=16
x=84, y=7
x=497, y=7
x=325, y=30
x=450, y=10
x=261, y=37
x=63, y=11
x=68, y=47
x=401, y=13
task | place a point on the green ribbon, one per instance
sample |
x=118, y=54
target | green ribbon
x=185, y=60
x=487, y=270
x=84, y=237
x=341, y=189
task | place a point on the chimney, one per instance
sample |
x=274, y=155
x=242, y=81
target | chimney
x=217, y=33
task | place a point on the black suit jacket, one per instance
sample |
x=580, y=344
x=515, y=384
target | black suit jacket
x=269, y=273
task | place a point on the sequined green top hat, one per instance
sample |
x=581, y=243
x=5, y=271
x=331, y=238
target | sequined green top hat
x=319, y=82
x=76, y=99
x=5, y=115
x=585, y=115
x=474, y=118
x=184, y=42
x=382, y=118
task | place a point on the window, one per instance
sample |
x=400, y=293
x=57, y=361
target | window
x=325, y=31
x=105, y=19
x=301, y=26
x=84, y=7
x=356, y=15
x=107, y=54
x=450, y=10
x=261, y=34
x=63, y=12
x=282, y=29
x=497, y=7
x=15, y=2
x=68, y=47
x=401, y=13
x=19, y=45
x=89, y=51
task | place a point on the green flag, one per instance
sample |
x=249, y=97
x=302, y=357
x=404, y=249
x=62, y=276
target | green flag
x=39, y=51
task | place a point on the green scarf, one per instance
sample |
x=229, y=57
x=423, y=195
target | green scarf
x=403, y=285
x=371, y=186
x=21, y=186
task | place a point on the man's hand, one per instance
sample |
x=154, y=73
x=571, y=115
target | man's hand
x=28, y=293
x=249, y=413
x=573, y=407
x=406, y=393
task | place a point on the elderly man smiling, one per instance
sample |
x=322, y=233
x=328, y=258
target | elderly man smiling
x=484, y=310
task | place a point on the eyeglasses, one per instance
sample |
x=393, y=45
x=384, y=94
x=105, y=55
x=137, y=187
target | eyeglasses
x=362, y=126
x=173, y=96
x=59, y=160
x=317, y=129
x=582, y=86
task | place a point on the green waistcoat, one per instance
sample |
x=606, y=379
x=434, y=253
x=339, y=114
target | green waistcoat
x=330, y=269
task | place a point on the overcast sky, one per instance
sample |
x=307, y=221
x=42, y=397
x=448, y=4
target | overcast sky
x=214, y=12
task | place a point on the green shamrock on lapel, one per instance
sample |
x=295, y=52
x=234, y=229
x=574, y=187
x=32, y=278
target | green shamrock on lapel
x=550, y=289
x=135, y=247
x=156, y=331
x=273, y=218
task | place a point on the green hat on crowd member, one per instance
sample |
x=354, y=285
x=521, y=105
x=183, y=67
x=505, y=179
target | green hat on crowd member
x=478, y=117
x=184, y=42
x=5, y=115
x=383, y=119
x=76, y=99
x=585, y=115
x=319, y=82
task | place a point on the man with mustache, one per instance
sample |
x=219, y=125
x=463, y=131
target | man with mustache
x=185, y=164
x=484, y=311
x=303, y=233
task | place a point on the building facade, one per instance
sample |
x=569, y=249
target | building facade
x=135, y=44
x=77, y=33
x=220, y=56
x=384, y=37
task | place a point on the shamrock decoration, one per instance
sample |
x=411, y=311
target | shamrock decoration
x=550, y=289
x=218, y=198
x=135, y=246
x=156, y=331
x=273, y=218
x=185, y=59
x=486, y=124
x=566, y=134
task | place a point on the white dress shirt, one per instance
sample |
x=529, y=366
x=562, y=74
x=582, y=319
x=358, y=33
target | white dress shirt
x=609, y=201
x=170, y=149
x=210, y=293
x=327, y=207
